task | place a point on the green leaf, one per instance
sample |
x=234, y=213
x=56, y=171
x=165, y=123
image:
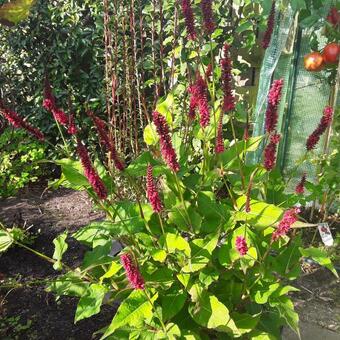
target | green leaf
x=262, y=294
x=297, y=5
x=73, y=173
x=172, y=302
x=230, y=157
x=5, y=240
x=201, y=251
x=15, y=11
x=98, y=256
x=60, y=247
x=158, y=255
x=209, y=312
x=114, y=269
x=245, y=322
x=97, y=230
x=138, y=166
x=173, y=242
x=133, y=311
x=262, y=215
x=285, y=307
x=90, y=304
x=69, y=284
x=320, y=256
x=166, y=106
x=150, y=135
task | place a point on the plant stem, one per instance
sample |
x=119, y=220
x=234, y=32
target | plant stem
x=63, y=138
x=238, y=156
x=182, y=200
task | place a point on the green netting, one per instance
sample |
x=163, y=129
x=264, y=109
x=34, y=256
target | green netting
x=305, y=95
x=310, y=94
x=284, y=21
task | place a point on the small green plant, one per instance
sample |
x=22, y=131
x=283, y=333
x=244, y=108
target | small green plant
x=12, y=328
x=20, y=156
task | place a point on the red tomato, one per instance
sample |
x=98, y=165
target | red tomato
x=313, y=62
x=331, y=53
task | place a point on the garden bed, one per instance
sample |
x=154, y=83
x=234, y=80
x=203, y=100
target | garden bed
x=30, y=312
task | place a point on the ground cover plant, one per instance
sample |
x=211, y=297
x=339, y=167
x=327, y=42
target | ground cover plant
x=209, y=242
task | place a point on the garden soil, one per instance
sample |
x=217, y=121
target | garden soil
x=27, y=311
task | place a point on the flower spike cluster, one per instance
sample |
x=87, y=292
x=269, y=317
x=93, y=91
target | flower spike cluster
x=189, y=19
x=106, y=141
x=167, y=150
x=134, y=276
x=289, y=217
x=90, y=173
x=199, y=99
x=241, y=245
x=219, y=147
x=300, y=188
x=14, y=119
x=274, y=98
x=49, y=103
x=228, y=99
x=270, y=27
x=270, y=152
x=208, y=18
x=325, y=122
x=151, y=191
x=72, y=129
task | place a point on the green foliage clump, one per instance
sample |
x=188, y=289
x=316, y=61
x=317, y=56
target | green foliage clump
x=19, y=165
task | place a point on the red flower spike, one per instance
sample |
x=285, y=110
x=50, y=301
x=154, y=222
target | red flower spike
x=189, y=19
x=270, y=152
x=72, y=129
x=167, y=150
x=192, y=107
x=219, y=147
x=325, y=122
x=90, y=173
x=274, y=98
x=228, y=99
x=49, y=100
x=199, y=98
x=106, y=141
x=14, y=119
x=300, y=188
x=241, y=245
x=134, y=276
x=289, y=217
x=270, y=27
x=208, y=18
x=152, y=193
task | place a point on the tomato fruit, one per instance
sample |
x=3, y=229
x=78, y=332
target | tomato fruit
x=313, y=62
x=330, y=53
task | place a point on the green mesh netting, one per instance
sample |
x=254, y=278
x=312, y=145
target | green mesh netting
x=284, y=22
x=305, y=95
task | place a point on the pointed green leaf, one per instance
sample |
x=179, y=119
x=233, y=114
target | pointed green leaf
x=201, y=251
x=133, y=311
x=261, y=215
x=60, y=247
x=90, y=304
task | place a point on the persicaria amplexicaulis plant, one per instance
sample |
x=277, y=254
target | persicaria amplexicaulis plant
x=207, y=250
